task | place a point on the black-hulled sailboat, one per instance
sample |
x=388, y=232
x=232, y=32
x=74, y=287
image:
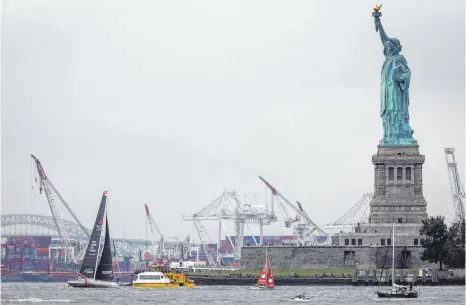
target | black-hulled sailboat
x=97, y=273
x=397, y=291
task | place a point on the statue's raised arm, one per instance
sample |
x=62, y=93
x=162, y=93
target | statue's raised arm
x=378, y=24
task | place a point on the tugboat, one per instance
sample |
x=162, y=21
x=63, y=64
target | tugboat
x=397, y=291
x=95, y=273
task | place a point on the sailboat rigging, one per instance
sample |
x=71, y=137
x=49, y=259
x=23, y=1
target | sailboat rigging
x=397, y=291
x=95, y=272
x=265, y=279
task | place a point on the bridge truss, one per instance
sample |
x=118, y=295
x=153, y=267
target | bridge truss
x=41, y=225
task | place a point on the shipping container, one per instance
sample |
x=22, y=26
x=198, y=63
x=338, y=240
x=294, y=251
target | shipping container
x=21, y=240
x=227, y=260
x=57, y=254
x=273, y=239
x=321, y=239
x=29, y=252
x=42, y=251
x=43, y=241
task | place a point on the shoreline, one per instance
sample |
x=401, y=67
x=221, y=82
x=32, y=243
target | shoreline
x=301, y=281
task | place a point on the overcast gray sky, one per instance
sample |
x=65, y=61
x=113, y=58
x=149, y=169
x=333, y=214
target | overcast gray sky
x=170, y=102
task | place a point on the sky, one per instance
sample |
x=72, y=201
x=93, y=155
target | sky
x=170, y=102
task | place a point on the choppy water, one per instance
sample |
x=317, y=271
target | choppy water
x=59, y=293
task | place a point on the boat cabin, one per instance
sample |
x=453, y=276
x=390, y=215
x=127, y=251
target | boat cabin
x=150, y=277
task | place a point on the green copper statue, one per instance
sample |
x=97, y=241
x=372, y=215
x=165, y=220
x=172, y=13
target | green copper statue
x=394, y=90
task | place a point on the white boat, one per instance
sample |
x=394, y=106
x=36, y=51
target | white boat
x=90, y=283
x=298, y=299
x=152, y=279
x=301, y=298
x=97, y=273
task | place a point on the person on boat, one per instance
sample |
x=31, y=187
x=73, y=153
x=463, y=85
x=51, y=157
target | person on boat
x=411, y=286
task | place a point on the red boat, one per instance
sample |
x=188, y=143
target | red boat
x=265, y=280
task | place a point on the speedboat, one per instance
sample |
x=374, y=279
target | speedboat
x=301, y=298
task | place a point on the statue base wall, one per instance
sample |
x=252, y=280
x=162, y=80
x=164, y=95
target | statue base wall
x=398, y=199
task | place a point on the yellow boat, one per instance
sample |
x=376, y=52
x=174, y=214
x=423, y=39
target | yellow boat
x=180, y=278
x=161, y=277
x=152, y=279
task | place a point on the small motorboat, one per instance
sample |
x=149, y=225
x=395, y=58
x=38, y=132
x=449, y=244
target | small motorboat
x=301, y=298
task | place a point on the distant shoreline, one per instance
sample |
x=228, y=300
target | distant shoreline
x=300, y=281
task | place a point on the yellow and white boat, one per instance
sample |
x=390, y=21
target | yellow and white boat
x=180, y=278
x=152, y=279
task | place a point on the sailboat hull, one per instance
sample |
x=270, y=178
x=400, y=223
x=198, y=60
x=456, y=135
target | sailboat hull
x=88, y=283
x=257, y=287
x=389, y=294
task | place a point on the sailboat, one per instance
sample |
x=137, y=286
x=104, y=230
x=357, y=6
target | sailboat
x=95, y=273
x=266, y=277
x=397, y=291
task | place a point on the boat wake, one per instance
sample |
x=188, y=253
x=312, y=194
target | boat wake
x=33, y=300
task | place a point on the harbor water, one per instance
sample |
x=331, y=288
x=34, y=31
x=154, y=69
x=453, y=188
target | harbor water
x=59, y=293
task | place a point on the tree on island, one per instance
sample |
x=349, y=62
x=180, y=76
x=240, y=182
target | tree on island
x=455, y=245
x=436, y=236
x=442, y=244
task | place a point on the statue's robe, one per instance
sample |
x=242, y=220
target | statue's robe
x=394, y=99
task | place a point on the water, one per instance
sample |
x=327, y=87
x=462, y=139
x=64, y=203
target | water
x=59, y=293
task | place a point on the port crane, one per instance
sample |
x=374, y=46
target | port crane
x=357, y=214
x=157, y=243
x=304, y=228
x=51, y=193
x=230, y=206
x=456, y=187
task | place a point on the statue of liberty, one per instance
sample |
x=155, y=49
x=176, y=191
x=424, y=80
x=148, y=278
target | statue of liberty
x=394, y=90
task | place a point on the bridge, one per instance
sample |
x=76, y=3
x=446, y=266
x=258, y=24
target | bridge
x=41, y=225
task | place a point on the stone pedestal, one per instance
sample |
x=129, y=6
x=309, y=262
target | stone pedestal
x=398, y=195
x=398, y=199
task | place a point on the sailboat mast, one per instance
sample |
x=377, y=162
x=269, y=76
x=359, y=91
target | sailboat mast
x=266, y=259
x=393, y=255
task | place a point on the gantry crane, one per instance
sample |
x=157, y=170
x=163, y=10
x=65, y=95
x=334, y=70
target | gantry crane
x=456, y=187
x=303, y=226
x=230, y=206
x=156, y=242
x=50, y=193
